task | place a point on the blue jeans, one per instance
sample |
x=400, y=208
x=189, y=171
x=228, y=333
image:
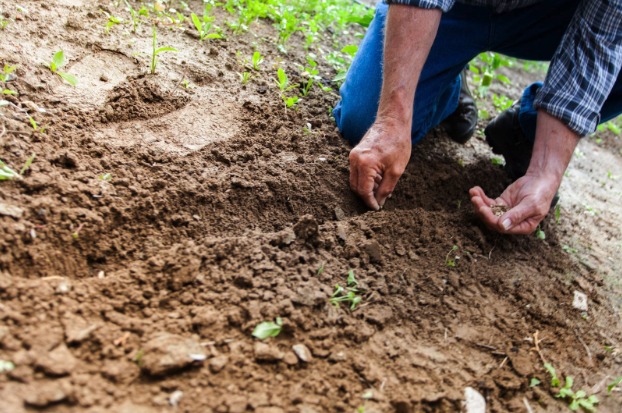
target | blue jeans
x=530, y=33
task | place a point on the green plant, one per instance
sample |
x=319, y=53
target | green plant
x=568, y=249
x=459, y=202
x=577, y=399
x=306, y=88
x=501, y=103
x=4, y=77
x=138, y=358
x=268, y=329
x=57, y=62
x=105, y=177
x=289, y=102
x=246, y=76
x=111, y=21
x=135, y=20
x=320, y=270
x=534, y=382
x=257, y=60
x=540, y=234
x=6, y=366
x=204, y=27
x=154, y=53
x=498, y=161
x=557, y=213
x=490, y=62
x=6, y=172
x=283, y=81
x=347, y=294
x=27, y=164
x=351, y=278
x=611, y=176
x=615, y=383
x=448, y=262
x=3, y=23
x=551, y=370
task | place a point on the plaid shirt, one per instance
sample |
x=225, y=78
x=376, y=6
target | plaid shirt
x=585, y=65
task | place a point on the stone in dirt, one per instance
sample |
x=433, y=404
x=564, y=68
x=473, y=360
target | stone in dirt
x=77, y=329
x=265, y=352
x=45, y=394
x=11, y=210
x=166, y=353
x=58, y=362
x=580, y=301
x=474, y=402
x=218, y=363
x=302, y=352
x=340, y=215
x=307, y=227
x=379, y=315
x=372, y=248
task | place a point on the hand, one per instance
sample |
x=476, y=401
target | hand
x=529, y=197
x=379, y=160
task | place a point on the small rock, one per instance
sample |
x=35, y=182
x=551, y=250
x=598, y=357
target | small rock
x=379, y=315
x=338, y=356
x=218, y=363
x=58, y=362
x=213, y=51
x=169, y=352
x=580, y=301
x=306, y=227
x=341, y=233
x=46, y=393
x=372, y=248
x=340, y=215
x=175, y=397
x=302, y=352
x=104, y=78
x=120, y=371
x=474, y=402
x=400, y=250
x=290, y=358
x=77, y=329
x=11, y=210
x=413, y=256
x=265, y=352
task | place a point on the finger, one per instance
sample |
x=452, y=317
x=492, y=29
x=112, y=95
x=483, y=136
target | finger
x=519, y=220
x=375, y=187
x=387, y=185
x=365, y=186
x=479, y=192
x=488, y=217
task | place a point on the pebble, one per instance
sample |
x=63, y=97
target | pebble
x=11, y=210
x=218, y=363
x=290, y=358
x=175, y=397
x=166, y=353
x=302, y=352
x=265, y=352
x=58, y=362
x=474, y=401
x=340, y=215
x=580, y=301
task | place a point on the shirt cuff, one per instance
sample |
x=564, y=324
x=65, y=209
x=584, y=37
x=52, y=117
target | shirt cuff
x=573, y=112
x=444, y=5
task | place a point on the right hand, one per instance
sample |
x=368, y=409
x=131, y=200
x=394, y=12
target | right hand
x=379, y=160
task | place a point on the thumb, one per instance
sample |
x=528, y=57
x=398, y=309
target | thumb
x=386, y=187
x=516, y=216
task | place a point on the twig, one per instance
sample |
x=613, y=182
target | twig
x=180, y=80
x=121, y=340
x=537, y=341
x=527, y=405
x=587, y=349
x=485, y=346
x=503, y=362
x=52, y=277
x=490, y=253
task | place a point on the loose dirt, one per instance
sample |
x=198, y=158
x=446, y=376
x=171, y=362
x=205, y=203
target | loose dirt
x=139, y=293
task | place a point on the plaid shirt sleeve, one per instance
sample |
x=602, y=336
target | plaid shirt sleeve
x=585, y=66
x=444, y=5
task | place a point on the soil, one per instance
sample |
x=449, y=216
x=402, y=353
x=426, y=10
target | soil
x=139, y=293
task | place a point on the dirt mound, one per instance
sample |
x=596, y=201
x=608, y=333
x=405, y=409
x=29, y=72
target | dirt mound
x=140, y=97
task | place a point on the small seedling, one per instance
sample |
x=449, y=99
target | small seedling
x=325, y=88
x=246, y=76
x=289, y=102
x=6, y=366
x=568, y=249
x=611, y=176
x=58, y=61
x=27, y=164
x=557, y=213
x=111, y=21
x=135, y=21
x=577, y=399
x=283, y=82
x=351, y=278
x=306, y=88
x=551, y=370
x=105, y=177
x=7, y=173
x=204, y=27
x=615, y=383
x=268, y=329
x=4, y=77
x=498, y=161
x=540, y=234
x=459, y=202
x=154, y=53
x=350, y=296
x=534, y=382
x=448, y=262
x=257, y=60
x=320, y=270
x=138, y=358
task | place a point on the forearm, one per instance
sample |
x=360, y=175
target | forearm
x=553, y=148
x=410, y=32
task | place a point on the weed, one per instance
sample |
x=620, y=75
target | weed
x=57, y=62
x=589, y=210
x=448, y=262
x=577, y=399
x=501, y=103
x=154, y=54
x=540, y=234
x=320, y=270
x=105, y=177
x=268, y=329
x=111, y=21
x=204, y=26
x=615, y=383
x=6, y=366
x=7, y=173
x=306, y=88
x=554, y=378
x=283, y=82
x=257, y=60
x=246, y=76
x=3, y=23
x=351, y=278
x=557, y=213
x=350, y=292
x=289, y=102
x=568, y=249
x=27, y=164
x=498, y=161
x=459, y=202
x=138, y=358
x=4, y=77
x=578, y=153
x=611, y=176
x=135, y=20
x=534, y=382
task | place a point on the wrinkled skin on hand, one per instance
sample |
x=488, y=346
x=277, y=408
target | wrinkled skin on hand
x=378, y=162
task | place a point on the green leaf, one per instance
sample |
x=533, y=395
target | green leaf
x=615, y=383
x=504, y=79
x=580, y=394
x=197, y=22
x=69, y=78
x=8, y=92
x=474, y=69
x=213, y=36
x=351, y=278
x=282, y=78
x=8, y=69
x=551, y=370
x=58, y=60
x=534, y=382
x=351, y=50
x=27, y=164
x=266, y=329
x=164, y=49
x=574, y=405
x=52, y=67
x=340, y=76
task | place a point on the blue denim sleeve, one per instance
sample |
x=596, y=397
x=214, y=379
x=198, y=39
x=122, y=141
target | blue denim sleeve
x=585, y=66
x=444, y=5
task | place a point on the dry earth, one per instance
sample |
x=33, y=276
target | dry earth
x=138, y=292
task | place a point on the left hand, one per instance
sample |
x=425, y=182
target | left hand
x=529, y=199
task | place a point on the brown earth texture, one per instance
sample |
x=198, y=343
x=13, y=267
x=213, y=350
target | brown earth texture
x=159, y=224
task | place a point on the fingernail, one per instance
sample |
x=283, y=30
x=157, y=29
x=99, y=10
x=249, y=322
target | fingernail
x=506, y=224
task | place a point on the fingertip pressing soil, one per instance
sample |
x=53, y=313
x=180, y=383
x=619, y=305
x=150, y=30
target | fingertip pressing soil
x=140, y=290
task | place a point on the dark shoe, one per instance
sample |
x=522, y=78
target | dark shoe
x=506, y=137
x=461, y=124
